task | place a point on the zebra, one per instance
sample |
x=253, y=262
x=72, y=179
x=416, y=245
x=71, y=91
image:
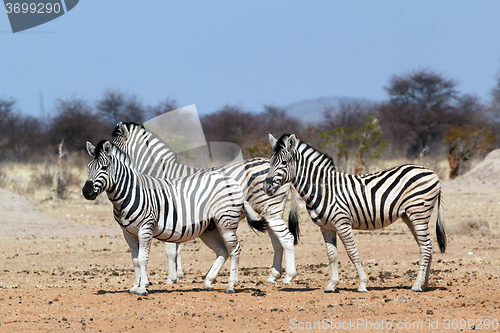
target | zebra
x=170, y=210
x=154, y=157
x=339, y=202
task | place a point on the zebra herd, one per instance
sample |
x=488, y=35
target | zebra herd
x=154, y=196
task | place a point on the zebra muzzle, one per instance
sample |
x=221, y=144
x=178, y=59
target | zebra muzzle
x=88, y=190
x=267, y=186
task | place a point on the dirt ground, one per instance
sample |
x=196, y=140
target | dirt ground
x=59, y=275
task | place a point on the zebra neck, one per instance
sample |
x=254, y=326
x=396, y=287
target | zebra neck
x=144, y=145
x=119, y=157
x=313, y=171
x=123, y=180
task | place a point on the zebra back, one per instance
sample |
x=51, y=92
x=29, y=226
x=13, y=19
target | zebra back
x=151, y=154
x=154, y=157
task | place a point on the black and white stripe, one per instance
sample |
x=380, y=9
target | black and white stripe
x=169, y=210
x=339, y=202
x=154, y=157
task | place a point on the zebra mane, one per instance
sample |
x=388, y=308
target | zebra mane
x=139, y=132
x=302, y=146
x=280, y=145
x=116, y=152
x=129, y=124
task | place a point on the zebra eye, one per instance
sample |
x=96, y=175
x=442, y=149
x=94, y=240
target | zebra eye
x=104, y=168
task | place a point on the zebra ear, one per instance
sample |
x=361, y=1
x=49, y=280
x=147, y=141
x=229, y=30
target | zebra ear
x=106, y=148
x=90, y=149
x=291, y=142
x=124, y=130
x=272, y=140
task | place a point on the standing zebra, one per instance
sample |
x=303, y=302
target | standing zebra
x=169, y=210
x=154, y=157
x=339, y=202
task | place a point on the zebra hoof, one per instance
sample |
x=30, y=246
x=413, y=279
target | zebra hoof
x=330, y=288
x=229, y=291
x=273, y=276
x=134, y=290
x=208, y=288
x=169, y=281
x=362, y=287
x=141, y=291
x=331, y=291
x=271, y=279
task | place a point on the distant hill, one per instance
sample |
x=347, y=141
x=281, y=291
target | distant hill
x=311, y=110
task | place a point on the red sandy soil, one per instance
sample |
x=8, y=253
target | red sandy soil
x=60, y=275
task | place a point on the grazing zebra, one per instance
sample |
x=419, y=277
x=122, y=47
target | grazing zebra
x=154, y=157
x=339, y=202
x=169, y=210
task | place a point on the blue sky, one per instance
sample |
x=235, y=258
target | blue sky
x=248, y=53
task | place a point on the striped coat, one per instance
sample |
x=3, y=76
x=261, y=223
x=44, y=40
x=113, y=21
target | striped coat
x=169, y=210
x=154, y=157
x=339, y=202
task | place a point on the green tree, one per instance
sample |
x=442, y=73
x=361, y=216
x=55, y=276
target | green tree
x=464, y=142
x=364, y=143
x=370, y=144
x=341, y=138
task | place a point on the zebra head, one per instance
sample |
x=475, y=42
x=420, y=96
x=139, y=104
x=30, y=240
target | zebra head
x=123, y=132
x=282, y=164
x=99, y=170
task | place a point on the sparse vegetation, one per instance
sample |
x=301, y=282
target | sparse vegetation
x=465, y=142
x=363, y=143
x=425, y=118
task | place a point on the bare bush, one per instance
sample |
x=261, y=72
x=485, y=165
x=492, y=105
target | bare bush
x=229, y=124
x=164, y=106
x=420, y=104
x=116, y=106
x=15, y=144
x=76, y=123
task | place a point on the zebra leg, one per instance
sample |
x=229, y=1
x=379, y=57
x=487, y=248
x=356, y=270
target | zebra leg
x=234, y=249
x=214, y=241
x=171, y=252
x=278, y=257
x=420, y=232
x=347, y=237
x=145, y=237
x=180, y=272
x=133, y=243
x=330, y=238
x=281, y=238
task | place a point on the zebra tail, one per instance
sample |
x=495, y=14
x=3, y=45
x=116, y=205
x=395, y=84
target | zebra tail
x=253, y=219
x=294, y=216
x=440, y=232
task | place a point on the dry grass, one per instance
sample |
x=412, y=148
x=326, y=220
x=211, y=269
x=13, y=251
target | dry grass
x=34, y=182
x=32, y=179
x=28, y=179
